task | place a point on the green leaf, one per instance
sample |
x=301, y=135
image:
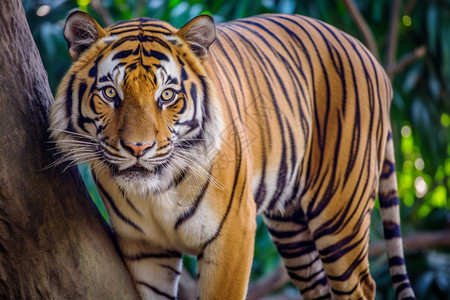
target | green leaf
x=424, y=284
x=439, y=196
x=432, y=19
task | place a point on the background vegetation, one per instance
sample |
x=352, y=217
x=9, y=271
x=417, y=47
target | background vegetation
x=411, y=39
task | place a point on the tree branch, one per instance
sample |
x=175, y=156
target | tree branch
x=102, y=12
x=139, y=8
x=391, y=48
x=416, y=242
x=367, y=34
x=406, y=60
x=410, y=5
x=267, y=284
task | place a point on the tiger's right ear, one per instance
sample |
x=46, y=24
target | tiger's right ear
x=81, y=31
x=199, y=33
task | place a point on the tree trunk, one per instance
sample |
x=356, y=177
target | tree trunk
x=53, y=242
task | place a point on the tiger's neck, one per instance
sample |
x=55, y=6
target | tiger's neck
x=162, y=219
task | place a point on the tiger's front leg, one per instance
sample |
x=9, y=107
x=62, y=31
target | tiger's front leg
x=155, y=271
x=224, y=265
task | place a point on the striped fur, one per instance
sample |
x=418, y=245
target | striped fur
x=282, y=115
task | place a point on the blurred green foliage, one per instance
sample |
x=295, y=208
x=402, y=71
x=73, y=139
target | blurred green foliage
x=420, y=110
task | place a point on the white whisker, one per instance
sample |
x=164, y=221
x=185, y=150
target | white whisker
x=194, y=165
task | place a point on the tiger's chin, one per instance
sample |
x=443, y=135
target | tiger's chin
x=141, y=181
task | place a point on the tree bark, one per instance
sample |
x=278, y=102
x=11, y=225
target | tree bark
x=53, y=243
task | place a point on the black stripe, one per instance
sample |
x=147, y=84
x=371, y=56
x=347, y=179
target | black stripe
x=129, y=29
x=399, y=278
x=283, y=168
x=339, y=292
x=93, y=71
x=296, y=249
x=324, y=297
x=141, y=22
x=193, y=94
x=129, y=38
x=122, y=54
x=322, y=281
x=388, y=200
x=81, y=121
x=238, y=151
x=402, y=287
x=388, y=169
x=127, y=200
x=391, y=230
x=155, y=54
x=298, y=217
x=191, y=211
x=339, y=222
x=173, y=270
x=304, y=279
x=228, y=210
x=339, y=249
x=302, y=267
x=280, y=234
x=155, y=290
x=142, y=39
x=69, y=102
x=362, y=255
x=329, y=183
x=396, y=261
x=116, y=209
x=140, y=256
x=137, y=30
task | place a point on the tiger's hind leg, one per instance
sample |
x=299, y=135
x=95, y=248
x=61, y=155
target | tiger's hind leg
x=341, y=235
x=294, y=242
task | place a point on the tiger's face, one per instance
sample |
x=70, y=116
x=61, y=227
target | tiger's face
x=136, y=102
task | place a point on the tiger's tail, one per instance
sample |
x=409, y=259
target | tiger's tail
x=390, y=215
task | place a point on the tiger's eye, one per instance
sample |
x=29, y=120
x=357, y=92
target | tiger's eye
x=110, y=93
x=168, y=95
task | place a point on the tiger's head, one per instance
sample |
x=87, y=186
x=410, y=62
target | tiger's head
x=137, y=102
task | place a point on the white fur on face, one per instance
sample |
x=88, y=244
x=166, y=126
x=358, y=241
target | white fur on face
x=155, y=179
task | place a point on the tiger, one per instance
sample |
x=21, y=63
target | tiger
x=191, y=133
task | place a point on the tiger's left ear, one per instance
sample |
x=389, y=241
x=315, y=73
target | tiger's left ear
x=199, y=33
x=81, y=31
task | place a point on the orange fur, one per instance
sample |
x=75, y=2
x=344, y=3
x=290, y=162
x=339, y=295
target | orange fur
x=281, y=115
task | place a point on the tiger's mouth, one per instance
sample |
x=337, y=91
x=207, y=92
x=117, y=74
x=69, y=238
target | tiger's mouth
x=140, y=170
x=136, y=170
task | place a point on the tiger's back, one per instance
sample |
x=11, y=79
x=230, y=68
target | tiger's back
x=313, y=84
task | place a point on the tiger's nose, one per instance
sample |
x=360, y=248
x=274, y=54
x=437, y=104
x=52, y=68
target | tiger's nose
x=137, y=149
